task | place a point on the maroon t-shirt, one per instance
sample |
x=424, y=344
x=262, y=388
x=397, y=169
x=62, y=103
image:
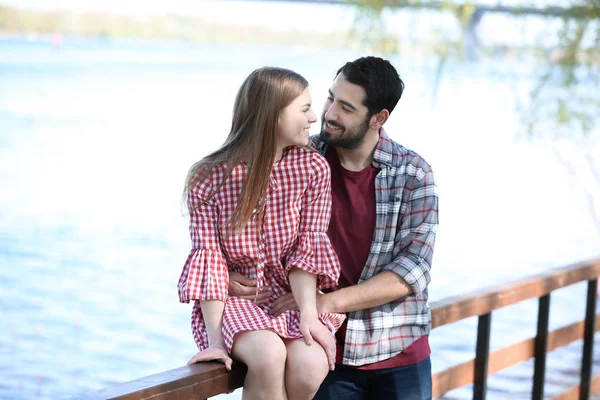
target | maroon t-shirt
x=351, y=233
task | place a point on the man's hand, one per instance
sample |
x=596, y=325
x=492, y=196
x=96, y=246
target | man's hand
x=313, y=330
x=284, y=303
x=287, y=302
x=245, y=288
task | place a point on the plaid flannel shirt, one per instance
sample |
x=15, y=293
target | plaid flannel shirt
x=406, y=225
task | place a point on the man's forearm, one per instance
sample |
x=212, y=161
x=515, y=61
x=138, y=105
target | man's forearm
x=382, y=288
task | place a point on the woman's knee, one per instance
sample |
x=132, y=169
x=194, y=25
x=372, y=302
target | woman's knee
x=306, y=368
x=262, y=351
x=308, y=378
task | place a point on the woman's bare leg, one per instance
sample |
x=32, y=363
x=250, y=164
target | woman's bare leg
x=264, y=353
x=306, y=368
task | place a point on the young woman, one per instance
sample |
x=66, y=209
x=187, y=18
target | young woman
x=260, y=205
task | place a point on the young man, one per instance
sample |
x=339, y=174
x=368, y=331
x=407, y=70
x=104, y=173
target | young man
x=383, y=227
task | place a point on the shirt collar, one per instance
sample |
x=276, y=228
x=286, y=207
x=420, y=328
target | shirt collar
x=384, y=150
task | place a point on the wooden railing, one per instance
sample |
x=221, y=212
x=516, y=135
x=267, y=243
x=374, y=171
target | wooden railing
x=201, y=381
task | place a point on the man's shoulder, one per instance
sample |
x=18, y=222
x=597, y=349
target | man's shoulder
x=317, y=144
x=402, y=157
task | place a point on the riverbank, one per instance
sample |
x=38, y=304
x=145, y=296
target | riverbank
x=54, y=25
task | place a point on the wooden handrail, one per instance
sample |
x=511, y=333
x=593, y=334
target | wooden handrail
x=480, y=302
x=197, y=381
x=204, y=380
x=462, y=374
x=573, y=392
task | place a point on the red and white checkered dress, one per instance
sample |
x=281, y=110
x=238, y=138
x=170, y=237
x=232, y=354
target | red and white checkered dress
x=293, y=234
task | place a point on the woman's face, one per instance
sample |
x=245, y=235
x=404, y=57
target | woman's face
x=295, y=121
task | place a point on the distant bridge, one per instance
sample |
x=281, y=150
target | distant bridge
x=472, y=13
x=576, y=12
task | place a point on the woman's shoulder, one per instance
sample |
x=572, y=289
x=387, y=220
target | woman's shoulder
x=207, y=178
x=309, y=157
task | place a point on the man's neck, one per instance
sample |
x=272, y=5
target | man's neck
x=359, y=158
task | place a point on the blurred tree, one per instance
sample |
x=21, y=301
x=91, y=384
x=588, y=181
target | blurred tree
x=573, y=58
x=564, y=103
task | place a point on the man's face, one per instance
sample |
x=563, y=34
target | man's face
x=345, y=120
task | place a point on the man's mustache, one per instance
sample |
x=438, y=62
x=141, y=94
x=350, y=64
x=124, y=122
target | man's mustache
x=334, y=124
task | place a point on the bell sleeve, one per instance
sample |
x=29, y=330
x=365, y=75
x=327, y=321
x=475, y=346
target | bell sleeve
x=205, y=275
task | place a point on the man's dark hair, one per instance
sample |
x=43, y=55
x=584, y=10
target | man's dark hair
x=380, y=80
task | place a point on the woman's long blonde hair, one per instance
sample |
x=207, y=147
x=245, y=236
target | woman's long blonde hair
x=258, y=104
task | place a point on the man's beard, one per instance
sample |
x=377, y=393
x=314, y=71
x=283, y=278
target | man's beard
x=347, y=138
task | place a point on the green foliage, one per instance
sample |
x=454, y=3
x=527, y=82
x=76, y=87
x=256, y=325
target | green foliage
x=368, y=30
x=566, y=95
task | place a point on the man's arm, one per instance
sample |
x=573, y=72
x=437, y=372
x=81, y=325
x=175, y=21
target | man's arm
x=380, y=289
x=408, y=272
x=415, y=239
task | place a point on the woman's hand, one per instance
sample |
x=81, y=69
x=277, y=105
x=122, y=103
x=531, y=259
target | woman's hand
x=313, y=330
x=213, y=353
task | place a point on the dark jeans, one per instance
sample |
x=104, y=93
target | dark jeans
x=412, y=382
